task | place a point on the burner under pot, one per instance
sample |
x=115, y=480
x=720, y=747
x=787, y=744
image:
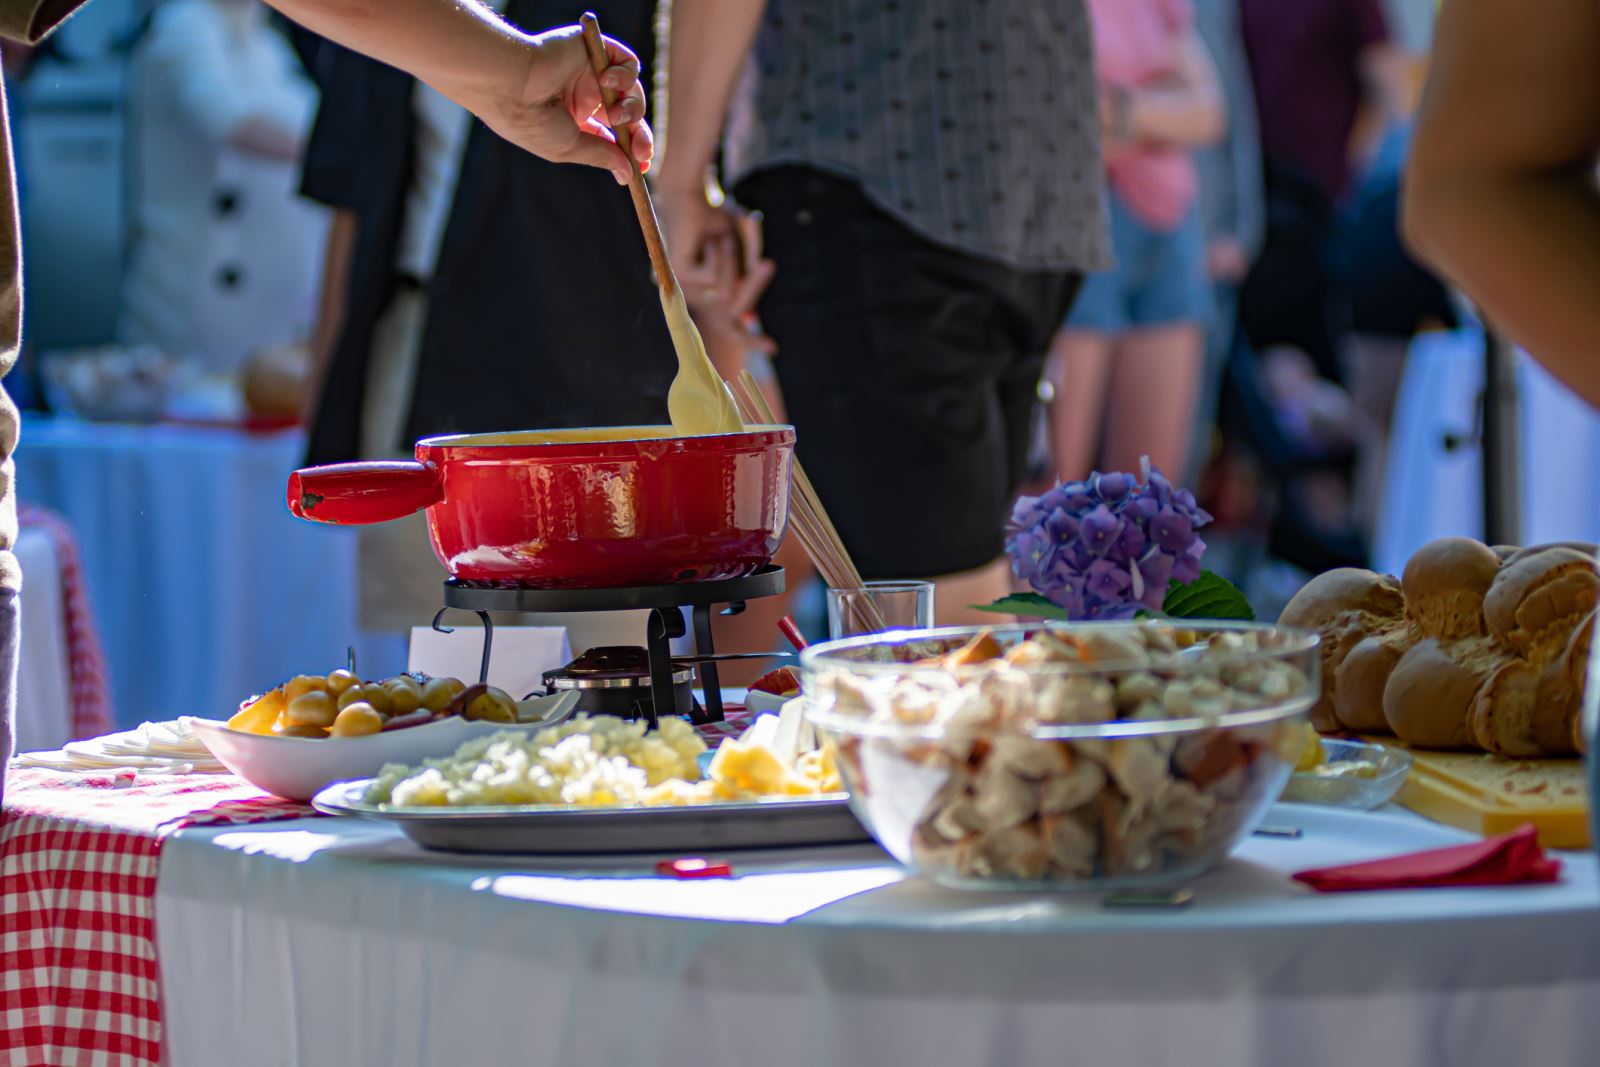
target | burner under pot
x=615, y=680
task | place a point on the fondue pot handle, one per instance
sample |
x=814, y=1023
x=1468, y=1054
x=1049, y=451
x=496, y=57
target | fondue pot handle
x=360, y=493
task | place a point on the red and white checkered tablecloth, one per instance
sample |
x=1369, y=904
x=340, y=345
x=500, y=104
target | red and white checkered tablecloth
x=86, y=659
x=78, y=862
x=79, y=985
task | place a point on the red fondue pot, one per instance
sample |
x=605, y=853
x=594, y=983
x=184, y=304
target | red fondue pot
x=583, y=508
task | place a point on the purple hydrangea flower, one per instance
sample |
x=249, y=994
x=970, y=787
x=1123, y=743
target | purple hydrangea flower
x=1107, y=580
x=1106, y=547
x=1062, y=526
x=1100, y=529
x=1171, y=529
x=1114, y=486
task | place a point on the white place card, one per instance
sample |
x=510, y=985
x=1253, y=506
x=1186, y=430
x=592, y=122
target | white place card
x=521, y=655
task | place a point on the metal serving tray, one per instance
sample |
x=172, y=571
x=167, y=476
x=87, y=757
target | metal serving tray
x=543, y=829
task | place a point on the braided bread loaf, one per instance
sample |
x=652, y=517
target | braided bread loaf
x=1474, y=647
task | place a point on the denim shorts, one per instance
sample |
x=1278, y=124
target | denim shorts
x=1159, y=279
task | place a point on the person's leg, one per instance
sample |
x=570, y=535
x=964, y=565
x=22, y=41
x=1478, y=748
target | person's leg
x=1080, y=372
x=1159, y=359
x=1155, y=378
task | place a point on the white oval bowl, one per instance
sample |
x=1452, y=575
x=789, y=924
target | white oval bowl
x=297, y=768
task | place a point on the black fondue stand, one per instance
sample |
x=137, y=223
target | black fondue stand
x=665, y=604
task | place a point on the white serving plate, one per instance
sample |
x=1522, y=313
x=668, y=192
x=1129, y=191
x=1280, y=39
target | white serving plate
x=297, y=768
x=548, y=829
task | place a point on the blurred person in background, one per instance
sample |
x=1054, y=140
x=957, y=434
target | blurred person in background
x=1327, y=78
x=539, y=92
x=1315, y=65
x=1232, y=208
x=929, y=173
x=1392, y=297
x=1128, y=364
x=224, y=255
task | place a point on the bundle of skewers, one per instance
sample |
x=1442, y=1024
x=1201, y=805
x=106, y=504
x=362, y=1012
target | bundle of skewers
x=811, y=524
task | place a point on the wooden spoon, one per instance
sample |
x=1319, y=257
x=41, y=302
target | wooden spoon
x=699, y=401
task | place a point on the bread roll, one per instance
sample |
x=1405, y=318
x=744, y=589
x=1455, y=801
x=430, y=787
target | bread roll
x=1537, y=600
x=1503, y=711
x=1584, y=547
x=1343, y=606
x=1561, y=685
x=1444, y=583
x=1429, y=698
x=1360, y=681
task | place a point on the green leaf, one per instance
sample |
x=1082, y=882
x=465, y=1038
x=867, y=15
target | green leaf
x=1028, y=605
x=1209, y=596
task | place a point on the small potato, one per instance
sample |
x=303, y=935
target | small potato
x=356, y=694
x=314, y=708
x=378, y=697
x=340, y=682
x=299, y=730
x=437, y=693
x=405, y=695
x=357, y=720
x=302, y=684
x=491, y=705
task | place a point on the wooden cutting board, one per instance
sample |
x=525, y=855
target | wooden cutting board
x=1489, y=794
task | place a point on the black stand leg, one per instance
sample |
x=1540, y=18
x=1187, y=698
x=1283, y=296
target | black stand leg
x=488, y=640
x=664, y=625
x=488, y=646
x=710, y=683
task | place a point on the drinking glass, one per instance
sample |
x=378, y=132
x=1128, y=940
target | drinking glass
x=880, y=606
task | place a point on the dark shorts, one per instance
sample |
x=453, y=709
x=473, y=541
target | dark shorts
x=910, y=371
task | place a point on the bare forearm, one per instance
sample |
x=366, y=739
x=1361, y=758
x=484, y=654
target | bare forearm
x=1188, y=110
x=1527, y=248
x=459, y=47
x=707, y=42
x=1499, y=191
x=1185, y=117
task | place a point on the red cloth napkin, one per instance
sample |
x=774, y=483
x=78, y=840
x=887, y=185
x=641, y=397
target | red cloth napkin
x=1504, y=860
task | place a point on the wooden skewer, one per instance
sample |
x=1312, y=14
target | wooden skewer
x=811, y=522
x=698, y=401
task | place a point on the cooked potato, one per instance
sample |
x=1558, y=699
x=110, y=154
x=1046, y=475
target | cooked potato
x=339, y=682
x=302, y=684
x=357, y=720
x=491, y=705
x=314, y=708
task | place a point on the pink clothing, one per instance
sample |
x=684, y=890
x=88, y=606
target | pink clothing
x=1137, y=43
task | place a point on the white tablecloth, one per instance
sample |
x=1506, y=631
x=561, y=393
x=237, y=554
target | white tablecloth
x=44, y=679
x=1432, y=492
x=206, y=588
x=338, y=942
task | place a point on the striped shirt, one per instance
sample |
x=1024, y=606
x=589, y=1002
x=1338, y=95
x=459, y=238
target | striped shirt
x=972, y=121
